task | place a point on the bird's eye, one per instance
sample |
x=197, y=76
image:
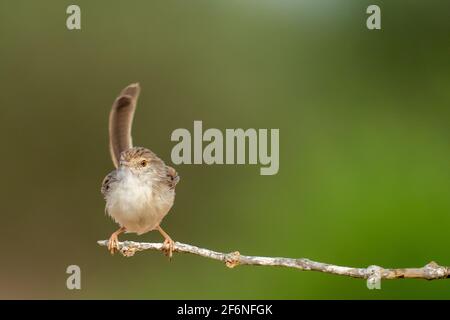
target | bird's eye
x=144, y=163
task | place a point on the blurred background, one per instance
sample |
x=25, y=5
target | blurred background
x=364, y=143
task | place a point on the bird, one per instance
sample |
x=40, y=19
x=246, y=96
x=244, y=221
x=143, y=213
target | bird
x=140, y=191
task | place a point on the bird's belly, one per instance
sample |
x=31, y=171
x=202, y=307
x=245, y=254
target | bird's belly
x=135, y=208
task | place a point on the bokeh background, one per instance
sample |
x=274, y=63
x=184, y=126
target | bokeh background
x=364, y=141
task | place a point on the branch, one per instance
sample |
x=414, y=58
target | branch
x=373, y=274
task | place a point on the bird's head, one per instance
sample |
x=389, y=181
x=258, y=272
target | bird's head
x=139, y=160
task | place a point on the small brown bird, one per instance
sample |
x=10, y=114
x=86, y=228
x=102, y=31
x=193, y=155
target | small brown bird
x=141, y=191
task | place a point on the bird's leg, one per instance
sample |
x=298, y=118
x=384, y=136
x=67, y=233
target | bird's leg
x=168, y=242
x=113, y=242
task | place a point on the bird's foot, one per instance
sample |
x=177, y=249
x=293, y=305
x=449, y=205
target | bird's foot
x=113, y=242
x=168, y=247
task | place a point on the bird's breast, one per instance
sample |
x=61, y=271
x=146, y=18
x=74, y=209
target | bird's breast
x=135, y=203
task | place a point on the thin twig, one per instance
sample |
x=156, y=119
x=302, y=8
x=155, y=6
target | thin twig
x=373, y=274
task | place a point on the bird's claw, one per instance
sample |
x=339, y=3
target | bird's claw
x=168, y=247
x=113, y=244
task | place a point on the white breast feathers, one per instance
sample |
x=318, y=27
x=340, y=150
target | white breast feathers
x=132, y=204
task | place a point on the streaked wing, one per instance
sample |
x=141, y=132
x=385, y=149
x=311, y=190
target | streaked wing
x=121, y=120
x=108, y=181
x=173, y=177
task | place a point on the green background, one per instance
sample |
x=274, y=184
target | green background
x=364, y=143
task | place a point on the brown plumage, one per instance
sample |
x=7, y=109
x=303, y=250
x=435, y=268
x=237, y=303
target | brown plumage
x=121, y=121
x=141, y=191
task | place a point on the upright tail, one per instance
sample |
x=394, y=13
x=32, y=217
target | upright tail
x=121, y=120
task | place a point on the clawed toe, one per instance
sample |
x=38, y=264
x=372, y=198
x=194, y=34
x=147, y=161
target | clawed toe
x=168, y=247
x=113, y=244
